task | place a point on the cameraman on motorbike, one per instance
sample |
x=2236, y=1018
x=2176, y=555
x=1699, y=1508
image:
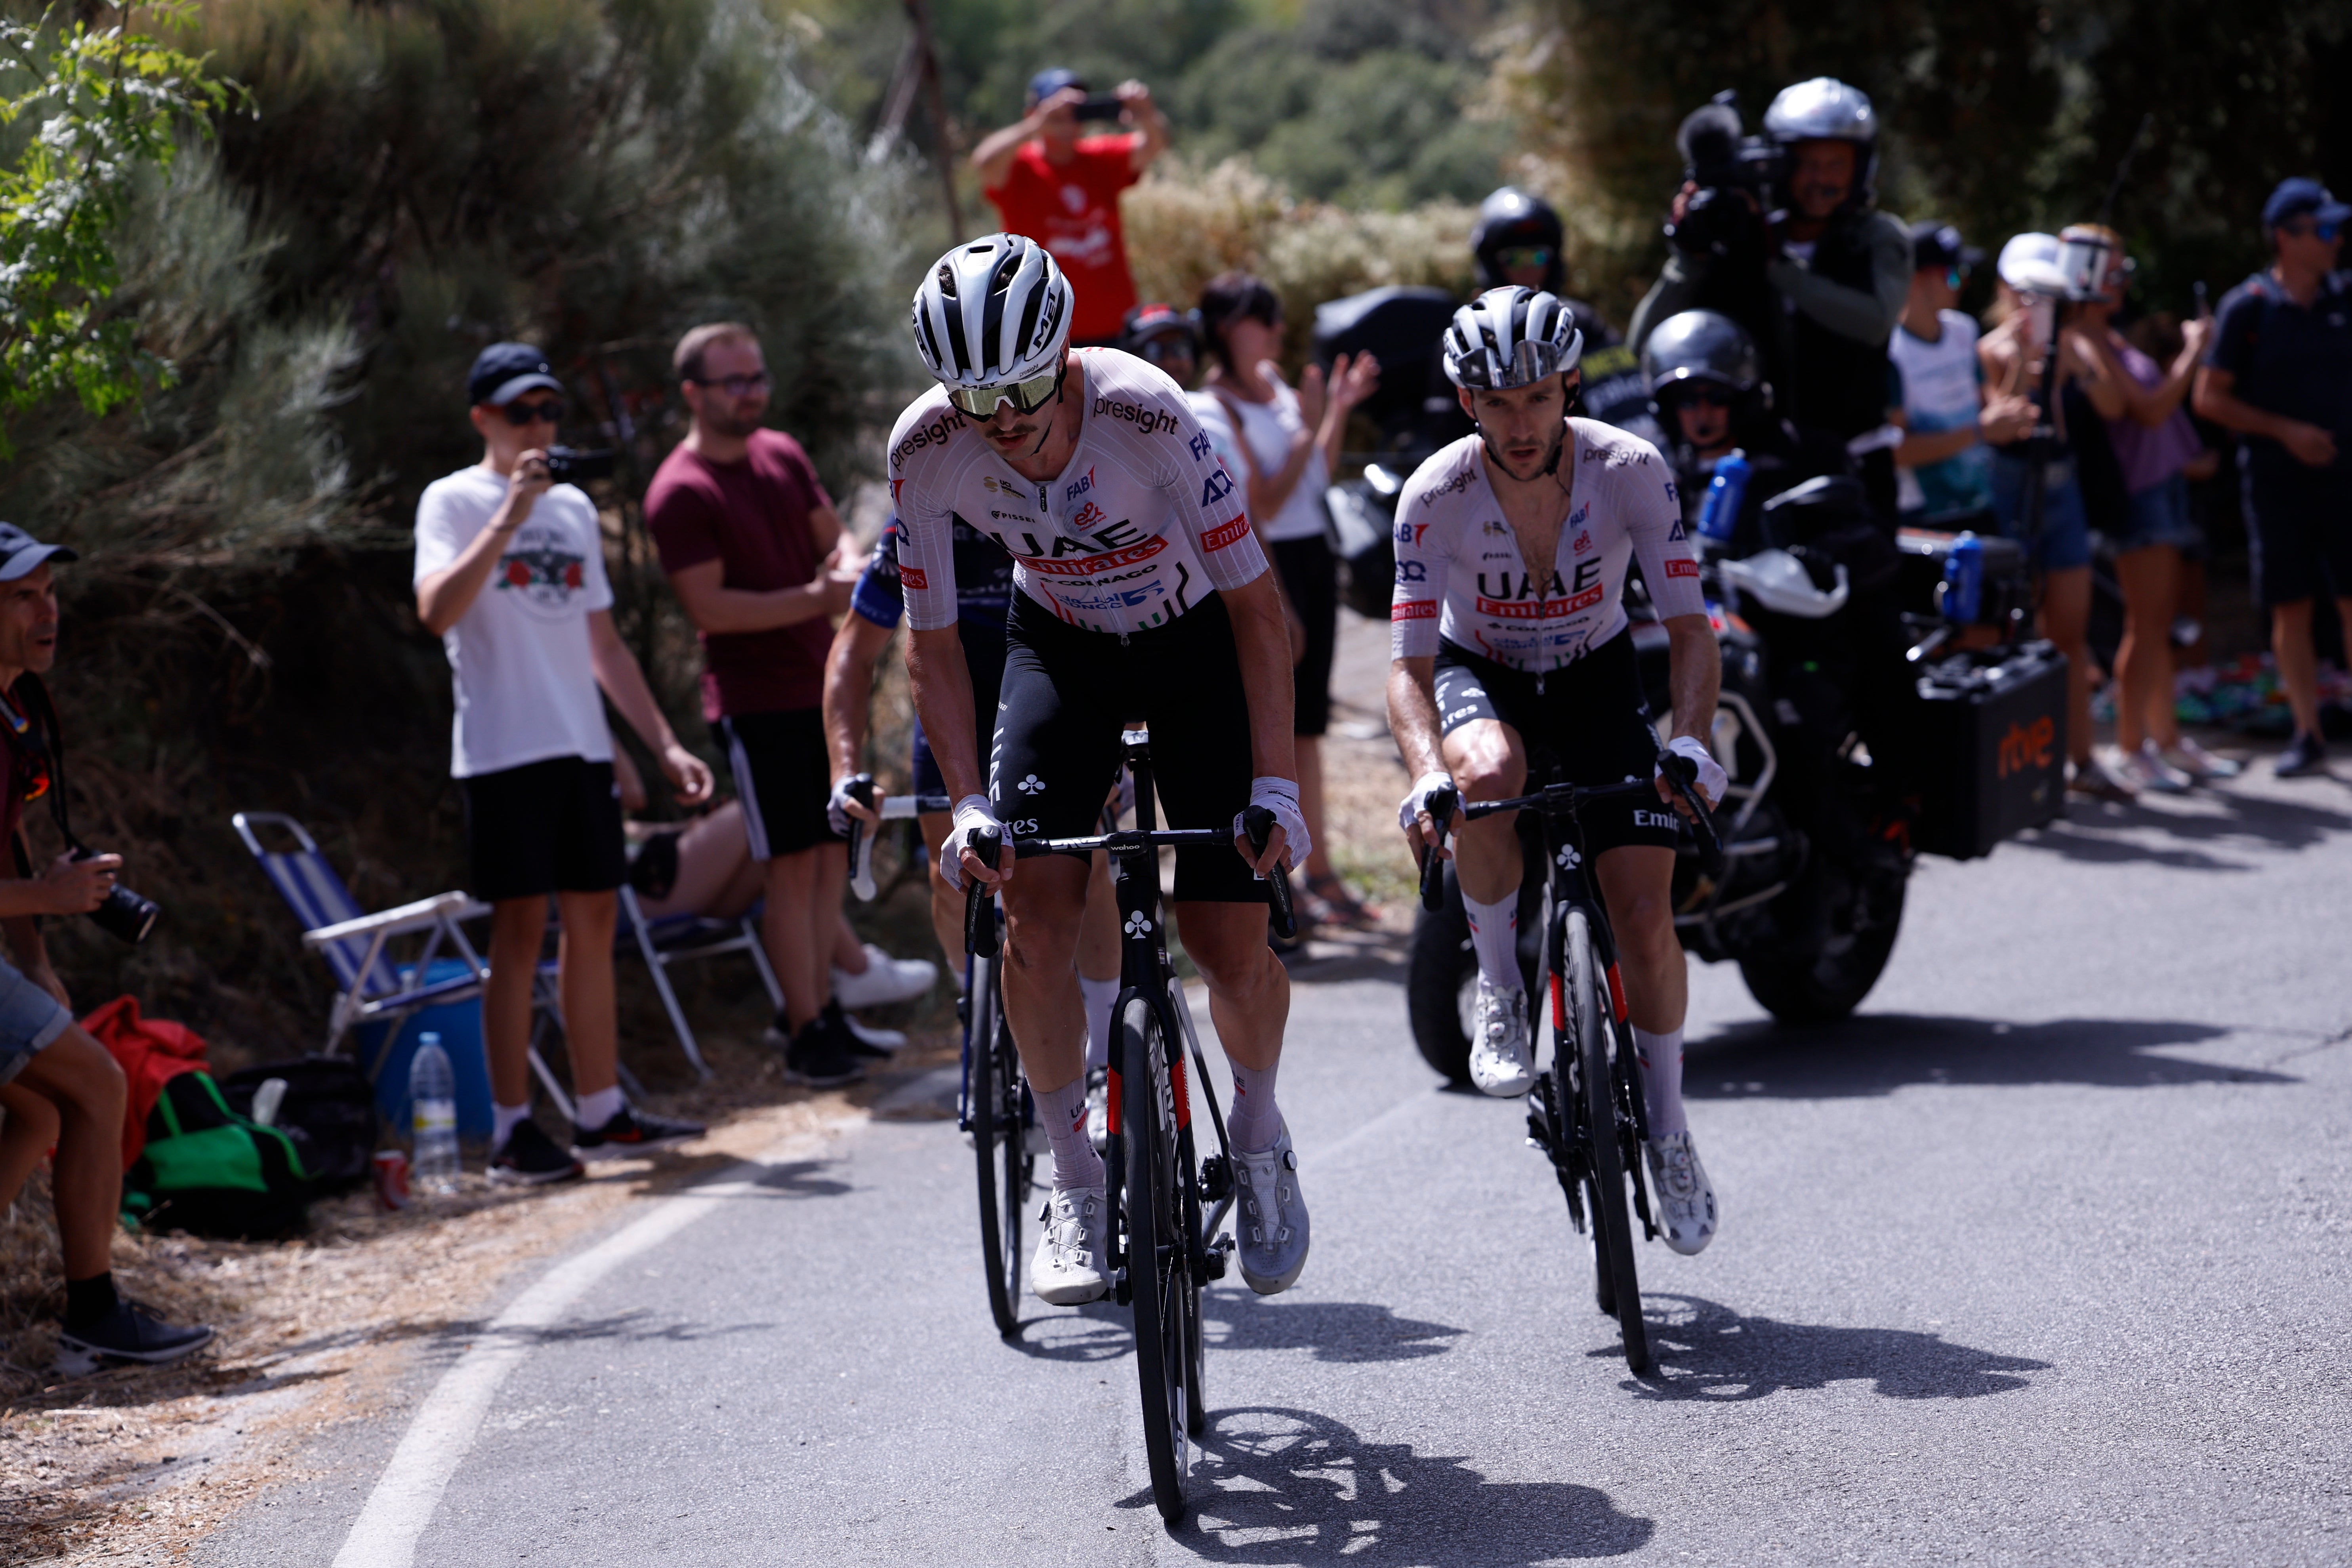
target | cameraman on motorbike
x=1820, y=286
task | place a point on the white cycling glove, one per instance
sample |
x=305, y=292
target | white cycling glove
x=1712, y=779
x=971, y=811
x=1280, y=796
x=1416, y=801
x=836, y=810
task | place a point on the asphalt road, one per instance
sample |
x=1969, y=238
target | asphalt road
x=2040, y=1260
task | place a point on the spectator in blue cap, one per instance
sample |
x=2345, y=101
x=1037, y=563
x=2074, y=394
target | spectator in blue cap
x=2280, y=374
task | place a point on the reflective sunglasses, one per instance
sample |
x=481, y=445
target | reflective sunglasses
x=1517, y=256
x=1957, y=277
x=2324, y=232
x=1704, y=396
x=738, y=386
x=1164, y=348
x=1026, y=397
x=519, y=414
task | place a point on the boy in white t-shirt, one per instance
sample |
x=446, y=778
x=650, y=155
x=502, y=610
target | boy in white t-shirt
x=1943, y=470
x=511, y=574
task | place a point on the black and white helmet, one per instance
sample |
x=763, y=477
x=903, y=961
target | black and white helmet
x=992, y=312
x=1511, y=338
x=1827, y=110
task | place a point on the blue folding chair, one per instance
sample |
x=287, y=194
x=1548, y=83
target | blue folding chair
x=369, y=986
x=682, y=939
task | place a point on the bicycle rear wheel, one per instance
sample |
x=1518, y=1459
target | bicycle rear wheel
x=1612, y=1227
x=999, y=1146
x=1163, y=1287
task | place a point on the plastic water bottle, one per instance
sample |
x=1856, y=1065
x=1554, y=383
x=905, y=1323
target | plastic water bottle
x=433, y=1099
x=1718, y=514
x=1964, y=581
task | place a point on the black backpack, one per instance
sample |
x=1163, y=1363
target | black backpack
x=329, y=1110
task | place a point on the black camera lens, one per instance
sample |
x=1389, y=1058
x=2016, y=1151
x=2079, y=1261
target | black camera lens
x=570, y=466
x=126, y=915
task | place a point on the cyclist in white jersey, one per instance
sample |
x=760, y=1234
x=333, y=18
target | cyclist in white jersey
x=1140, y=592
x=1494, y=662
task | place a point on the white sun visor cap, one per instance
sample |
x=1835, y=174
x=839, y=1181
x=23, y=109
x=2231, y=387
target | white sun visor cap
x=2029, y=263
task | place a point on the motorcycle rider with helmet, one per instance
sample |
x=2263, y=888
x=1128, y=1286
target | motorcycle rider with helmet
x=1517, y=243
x=1508, y=638
x=1842, y=266
x=1705, y=385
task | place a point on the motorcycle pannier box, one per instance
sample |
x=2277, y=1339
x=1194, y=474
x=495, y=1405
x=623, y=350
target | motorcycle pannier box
x=1992, y=748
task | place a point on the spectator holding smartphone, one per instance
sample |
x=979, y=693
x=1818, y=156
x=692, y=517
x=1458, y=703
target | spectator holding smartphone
x=1944, y=467
x=1060, y=187
x=2279, y=373
x=510, y=577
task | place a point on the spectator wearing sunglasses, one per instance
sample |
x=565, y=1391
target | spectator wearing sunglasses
x=1519, y=242
x=1164, y=335
x=759, y=558
x=2279, y=373
x=1944, y=467
x=510, y=576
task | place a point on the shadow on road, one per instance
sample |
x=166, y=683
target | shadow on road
x=1288, y=1486
x=1348, y=1332
x=2185, y=837
x=1877, y=1053
x=1707, y=1351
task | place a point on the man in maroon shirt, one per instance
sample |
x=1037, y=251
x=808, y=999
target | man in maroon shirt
x=1062, y=190
x=752, y=545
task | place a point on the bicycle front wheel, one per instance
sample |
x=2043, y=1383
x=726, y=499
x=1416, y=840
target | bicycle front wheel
x=1163, y=1289
x=1613, y=1226
x=999, y=1146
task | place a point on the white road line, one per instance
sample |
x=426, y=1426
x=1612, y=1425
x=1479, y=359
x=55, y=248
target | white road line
x=409, y=1492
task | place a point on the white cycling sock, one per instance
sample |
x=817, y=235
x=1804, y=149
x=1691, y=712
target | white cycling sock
x=1102, y=997
x=503, y=1119
x=1255, y=1122
x=593, y=1111
x=1661, y=1056
x=1064, y=1112
x=1495, y=932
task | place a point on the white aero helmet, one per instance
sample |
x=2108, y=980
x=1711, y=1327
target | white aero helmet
x=994, y=313
x=1511, y=338
x=1827, y=110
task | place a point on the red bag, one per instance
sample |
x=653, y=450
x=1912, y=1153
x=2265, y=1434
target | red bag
x=150, y=1052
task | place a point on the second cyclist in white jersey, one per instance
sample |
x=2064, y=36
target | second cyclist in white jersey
x=1510, y=640
x=1140, y=592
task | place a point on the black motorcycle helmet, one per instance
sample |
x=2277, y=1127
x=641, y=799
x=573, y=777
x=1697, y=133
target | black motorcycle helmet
x=1703, y=346
x=1512, y=218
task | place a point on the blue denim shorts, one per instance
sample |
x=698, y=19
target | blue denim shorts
x=29, y=1018
x=2065, y=528
x=2159, y=515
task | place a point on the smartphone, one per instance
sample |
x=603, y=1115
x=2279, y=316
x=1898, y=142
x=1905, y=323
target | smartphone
x=2203, y=309
x=1099, y=106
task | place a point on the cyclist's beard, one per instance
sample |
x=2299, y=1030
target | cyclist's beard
x=1551, y=458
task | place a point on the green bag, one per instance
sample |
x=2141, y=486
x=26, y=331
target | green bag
x=209, y=1170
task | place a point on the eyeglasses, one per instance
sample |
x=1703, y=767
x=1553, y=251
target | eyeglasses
x=519, y=414
x=1957, y=277
x=1513, y=257
x=736, y=386
x=1166, y=347
x=1026, y=397
x=2324, y=232
x=1704, y=397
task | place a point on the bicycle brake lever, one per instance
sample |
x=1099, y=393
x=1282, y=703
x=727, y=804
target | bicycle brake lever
x=861, y=841
x=1433, y=876
x=1258, y=822
x=1682, y=773
x=980, y=938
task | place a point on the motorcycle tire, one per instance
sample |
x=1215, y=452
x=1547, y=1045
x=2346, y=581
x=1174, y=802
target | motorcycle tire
x=1835, y=982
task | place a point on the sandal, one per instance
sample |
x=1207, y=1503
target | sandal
x=1341, y=906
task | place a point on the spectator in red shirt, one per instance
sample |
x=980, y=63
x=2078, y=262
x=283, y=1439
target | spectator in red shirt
x=753, y=547
x=1062, y=190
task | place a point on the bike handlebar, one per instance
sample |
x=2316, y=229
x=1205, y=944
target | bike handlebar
x=980, y=938
x=1432, y=877
x=861, y=843
x=1259, y=824
x=1679, y=772
x=1129, y=840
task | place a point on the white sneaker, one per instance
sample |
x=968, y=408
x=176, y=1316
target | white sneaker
x=2146, y=769
x=1502, y=1062
x=1681, y=1196
x=2200, y=764
x=1068, y=1271
x=880, y=1039
x=883, y=980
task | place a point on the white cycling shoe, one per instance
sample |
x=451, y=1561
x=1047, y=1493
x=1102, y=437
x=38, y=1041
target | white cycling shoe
x=1272, y=1216
x=1502, y=1060
x=1068, y=1271
x=1681, y=1196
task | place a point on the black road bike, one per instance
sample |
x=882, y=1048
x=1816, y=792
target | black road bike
x=1166, y=1200
x=1585, y=1111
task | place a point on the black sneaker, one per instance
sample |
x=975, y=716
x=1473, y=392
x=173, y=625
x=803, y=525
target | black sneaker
x=126, y=1333
x=2304, y=757
x=819, y=1057
x=853, y=1038
x=531, y=1157
x=632, y=1132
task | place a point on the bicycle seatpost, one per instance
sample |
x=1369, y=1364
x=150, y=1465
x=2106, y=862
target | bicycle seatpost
x=1433, y=876
x=979, y=913
x=861, y=843
x=1259, y=824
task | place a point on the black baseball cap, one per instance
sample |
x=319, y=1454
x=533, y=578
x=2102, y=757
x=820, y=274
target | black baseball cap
x=2297, y=196
x=504, y=371
x=20, y=552
x=1046, y=83
x=1935, y=247
x=1152, y=318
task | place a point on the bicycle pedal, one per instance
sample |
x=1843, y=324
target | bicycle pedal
x=1216, y=1178
x=1220, y=1252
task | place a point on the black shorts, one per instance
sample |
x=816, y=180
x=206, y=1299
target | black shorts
x=1067, y=693
x=984, y=656
x=2298, y=532
x=1589, y=720
x=545, y=827
x=783, y=772
x=1310, y=576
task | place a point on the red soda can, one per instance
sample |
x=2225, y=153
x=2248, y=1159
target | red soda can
x=391, y=1179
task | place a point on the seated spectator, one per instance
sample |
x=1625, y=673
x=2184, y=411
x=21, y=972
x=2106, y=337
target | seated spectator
x=59, y=1086
x=1061, y=189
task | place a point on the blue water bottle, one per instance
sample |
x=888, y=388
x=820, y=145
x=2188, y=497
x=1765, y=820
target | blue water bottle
x=1963, y=595
x=1718, y=514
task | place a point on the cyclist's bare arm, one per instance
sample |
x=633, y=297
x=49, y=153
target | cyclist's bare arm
x=941, y=684
x=849, y=694
x=1413, y=719
x=1695, y=678
x=1262, y=639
